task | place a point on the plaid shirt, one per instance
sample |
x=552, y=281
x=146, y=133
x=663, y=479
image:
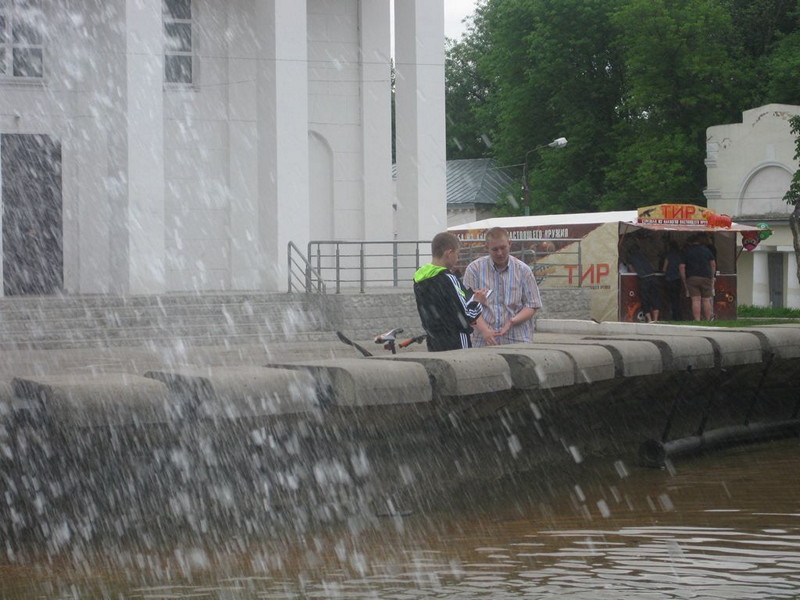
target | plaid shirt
x=514, y=289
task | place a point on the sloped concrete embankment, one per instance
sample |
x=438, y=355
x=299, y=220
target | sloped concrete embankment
x=207, y=453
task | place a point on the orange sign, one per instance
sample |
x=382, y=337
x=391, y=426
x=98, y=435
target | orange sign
x=682, y=214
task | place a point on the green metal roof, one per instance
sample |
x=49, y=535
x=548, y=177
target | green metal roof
x=472, y=181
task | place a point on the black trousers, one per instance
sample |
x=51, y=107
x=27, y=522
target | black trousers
x=439, y=342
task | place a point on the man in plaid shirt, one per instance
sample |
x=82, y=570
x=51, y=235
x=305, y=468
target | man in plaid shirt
x=515, y=299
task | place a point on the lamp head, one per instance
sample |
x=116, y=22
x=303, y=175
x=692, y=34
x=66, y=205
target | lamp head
x=558, y=143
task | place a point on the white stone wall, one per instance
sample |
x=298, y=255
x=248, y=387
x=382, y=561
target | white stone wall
x=283, y=136
x=334, y=115
x=750, y=167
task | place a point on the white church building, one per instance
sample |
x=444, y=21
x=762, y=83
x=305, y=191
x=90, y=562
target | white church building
x=750, y=167
x=151, y=146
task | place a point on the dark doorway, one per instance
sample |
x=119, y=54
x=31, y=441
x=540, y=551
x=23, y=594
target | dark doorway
x=33, y=260
x=775, y=270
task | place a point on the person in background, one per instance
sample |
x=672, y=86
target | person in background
x=672, y=280
x=697, y=269
x=448, y=311
x=649, y=289
x=515, y=299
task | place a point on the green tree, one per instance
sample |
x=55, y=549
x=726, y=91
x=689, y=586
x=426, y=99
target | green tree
x=554, y=73
x=465, y=94
x=760, y=26
x=782, y=66
x=779, y=66
x=681, y=76
x=633, y=85
x=792, y=196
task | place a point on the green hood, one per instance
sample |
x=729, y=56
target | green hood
x=427, y=271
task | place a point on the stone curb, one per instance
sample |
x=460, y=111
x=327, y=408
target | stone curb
x=110, y=399
x=353, y=382
x=460, y=372
x=241, y=392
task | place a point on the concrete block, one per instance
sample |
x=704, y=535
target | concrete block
x=678, y=352
x=591, y=362
x=102, y=399
x=355, y=382
x=731, y=347
x=631, y=358
x=567, y=326
x=533, y=368
x=783, y=341
x=460, y=372
x=241, y=392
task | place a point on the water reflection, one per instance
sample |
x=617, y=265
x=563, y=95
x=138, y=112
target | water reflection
x=723, y=526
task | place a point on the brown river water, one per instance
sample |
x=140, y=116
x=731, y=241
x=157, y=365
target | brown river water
x=725, y=525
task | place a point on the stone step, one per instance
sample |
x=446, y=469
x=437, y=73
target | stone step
x=180, y=316
x=7, y=302
x=74, y=310
x=166, y=339
x=176, y=327
x=97, y=321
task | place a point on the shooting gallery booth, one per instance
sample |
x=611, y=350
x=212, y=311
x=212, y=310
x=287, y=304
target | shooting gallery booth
x=589, y=250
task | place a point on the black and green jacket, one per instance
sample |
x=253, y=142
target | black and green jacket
x=443, y=302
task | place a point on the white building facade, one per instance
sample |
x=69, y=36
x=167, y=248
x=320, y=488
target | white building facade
x=750, y=167
x=149, y=146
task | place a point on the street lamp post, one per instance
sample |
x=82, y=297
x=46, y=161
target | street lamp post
x=557, y=143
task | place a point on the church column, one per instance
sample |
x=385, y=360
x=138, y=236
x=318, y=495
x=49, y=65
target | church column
x=282, y=126
x=420, y=118
x=144, y=126
x=375, y=31
x=760, y=278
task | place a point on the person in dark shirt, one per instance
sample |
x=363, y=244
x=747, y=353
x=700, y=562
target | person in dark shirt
x=649, y=288
x=447, y=309
x=698, y=269
x=672, y=280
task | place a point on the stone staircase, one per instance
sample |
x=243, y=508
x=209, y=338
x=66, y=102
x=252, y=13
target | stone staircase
x=222, y=318
x=96, y=321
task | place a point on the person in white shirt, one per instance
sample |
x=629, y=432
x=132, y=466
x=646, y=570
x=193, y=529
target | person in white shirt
x=515, y=297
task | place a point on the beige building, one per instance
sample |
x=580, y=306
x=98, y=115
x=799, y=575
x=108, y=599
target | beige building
x=750, y=167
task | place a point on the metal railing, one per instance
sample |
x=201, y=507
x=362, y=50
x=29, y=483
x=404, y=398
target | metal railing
x=302, y=275
x=367, y=263
x=335, y=265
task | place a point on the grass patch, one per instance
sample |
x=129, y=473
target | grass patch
x=763, y=312
x=751, y=316
x=737, y=323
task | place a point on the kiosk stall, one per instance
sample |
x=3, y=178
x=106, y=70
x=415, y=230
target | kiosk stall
x=589, y=250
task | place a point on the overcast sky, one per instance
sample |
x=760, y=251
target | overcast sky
x=454, y=13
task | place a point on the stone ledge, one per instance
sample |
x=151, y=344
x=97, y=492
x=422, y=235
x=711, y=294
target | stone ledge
x=355, y=382
x=241, y=392
x=461, y=372
x=106, y=399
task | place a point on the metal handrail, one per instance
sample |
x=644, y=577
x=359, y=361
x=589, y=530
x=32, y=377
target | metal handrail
x=362, y=263
x=311, y=280
x=392, y=263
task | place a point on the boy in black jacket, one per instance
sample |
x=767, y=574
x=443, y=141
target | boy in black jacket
x=447, y=309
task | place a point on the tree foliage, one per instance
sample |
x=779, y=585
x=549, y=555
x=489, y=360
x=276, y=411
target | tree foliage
x=633, y=85
x=792, y=196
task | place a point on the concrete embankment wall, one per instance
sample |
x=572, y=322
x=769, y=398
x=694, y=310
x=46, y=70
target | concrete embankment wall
x=206, y=450
x=363, y=316
x=235, y=318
